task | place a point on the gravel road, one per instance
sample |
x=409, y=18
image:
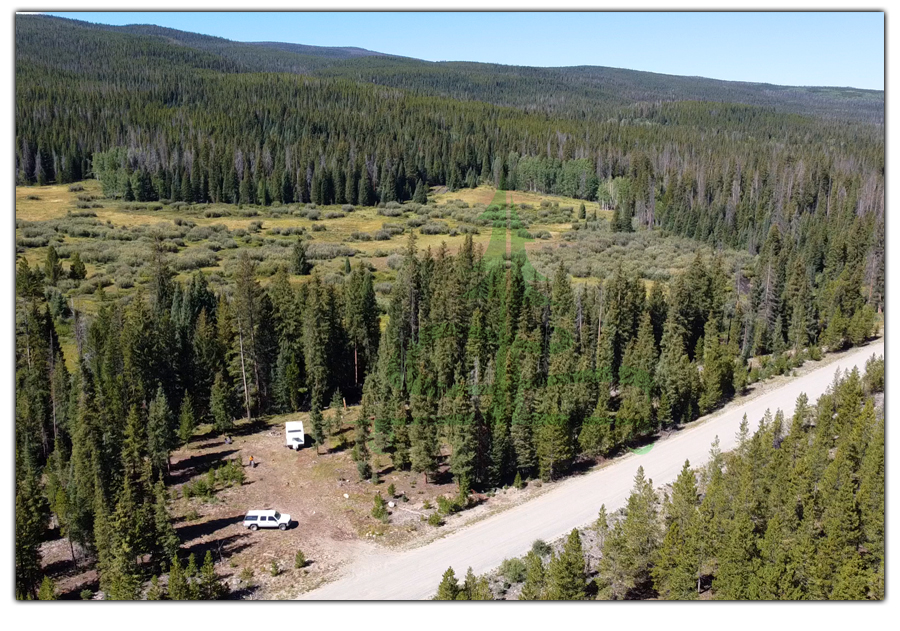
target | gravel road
x=414, y=574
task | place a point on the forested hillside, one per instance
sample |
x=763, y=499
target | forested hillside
x=473, y=362
x=577, y=91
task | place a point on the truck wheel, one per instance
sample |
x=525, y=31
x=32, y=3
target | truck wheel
x=254, y=527
x=282, y=526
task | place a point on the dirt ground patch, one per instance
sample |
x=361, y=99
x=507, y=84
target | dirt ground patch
x=329, y=506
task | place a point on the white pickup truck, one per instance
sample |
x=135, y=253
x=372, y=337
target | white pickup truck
x=293, y=435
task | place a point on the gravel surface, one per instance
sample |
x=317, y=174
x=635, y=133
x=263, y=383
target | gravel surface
x=574, y=502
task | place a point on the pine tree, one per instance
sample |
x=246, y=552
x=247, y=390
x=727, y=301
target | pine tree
x=566, y=575
x=178, y=582
x=533, y=589
x=32, y=513
x=676, y=572
x=52, y=267
x=336, y=421
x=166, y=542
x=156, y=591
x=317, y=425
x=159, y=432
x=77, y=269
x=210, y=586
x=449, y=586
x=186, y=420
x=361, y=447
x=299, y=261
x=420, y=196
x=220, y=404
x=629, y=552
x=47, y=590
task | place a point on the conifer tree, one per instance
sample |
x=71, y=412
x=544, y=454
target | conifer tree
x=676, y=573
x=361, y=447
x=186, y=420
x=52, y=267
x=566, y=574
x=159, y=432
x=77, y=269
x=533, y=588
x=449, y=586
x=32, y=513
x=178, y=582
x=210, y=586
x=47, y=590
x=220, y=404
x=299, y=261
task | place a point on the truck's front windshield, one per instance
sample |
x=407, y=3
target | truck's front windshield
x=277, y=515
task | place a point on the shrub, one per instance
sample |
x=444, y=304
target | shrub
x=384, y=288
x=334, y=214
x=319, y=227
x=299, y=559
x=381, y=235
x=360, y=236
x=415, y=222
x=389, y=211
x=246, y=574
x=275, y=570
x=393, y=228
x=313, y=215
x=325, y=251
x=435, y=227
x=540, y=547
x=447, y=506
x=513, y=570
x=435, y=519
x=74, y=188
x=195, y=258
x=395, y=261
x=392, y=490
x=348, y=208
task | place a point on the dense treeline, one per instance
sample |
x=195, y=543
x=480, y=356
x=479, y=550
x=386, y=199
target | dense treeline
x=93, y=446
x=178, y=123
x=796, y=512
x=520, y=378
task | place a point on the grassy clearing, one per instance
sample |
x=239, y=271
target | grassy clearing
x=115, y=238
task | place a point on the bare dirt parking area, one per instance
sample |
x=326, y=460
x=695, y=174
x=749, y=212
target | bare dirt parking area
x=329, y=506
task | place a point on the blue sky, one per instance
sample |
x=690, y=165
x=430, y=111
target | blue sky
x=833, y=49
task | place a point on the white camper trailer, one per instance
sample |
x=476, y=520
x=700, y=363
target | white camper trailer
x=293, y=435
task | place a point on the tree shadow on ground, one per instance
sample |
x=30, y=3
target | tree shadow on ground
x=244, y=429
x=197, y=465
x=193, y=531
x=243, y=593
x=75, y=592
x=221, y=548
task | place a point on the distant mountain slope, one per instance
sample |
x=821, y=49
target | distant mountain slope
x=577, y=92
x=580, y=89
x=335, y=52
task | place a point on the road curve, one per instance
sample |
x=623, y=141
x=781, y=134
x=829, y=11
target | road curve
x=414, y=574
